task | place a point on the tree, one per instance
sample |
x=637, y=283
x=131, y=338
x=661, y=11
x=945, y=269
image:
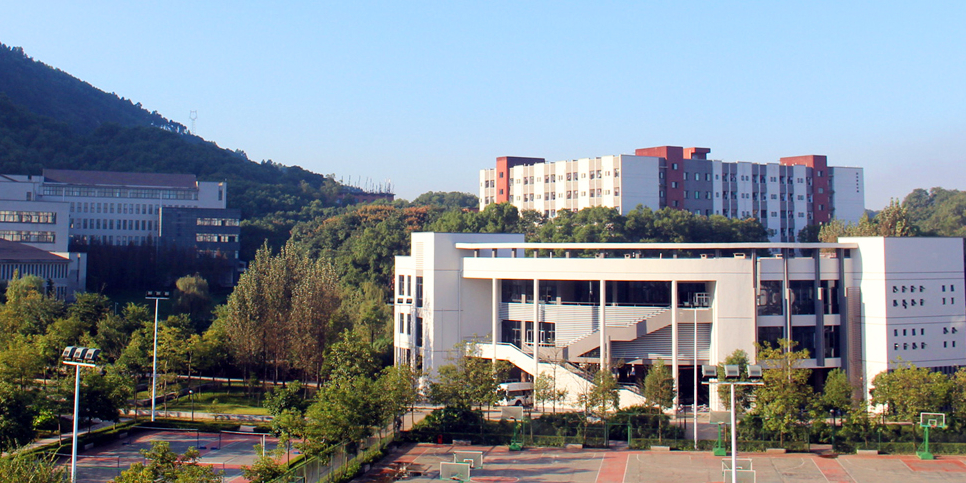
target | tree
x=399, y=390
x=545, y=390
x=659, y=386
x=908, y=390
x=602, y=396
x=16, y=418
x=165, y=466
x=958, y=398
x=266, y=468
x=783, y=400
x=28, y=309
x=837, y=393
x=279, y=313
x=19, y=468
x=659, y=390
x=193, y=298
x=344, y=411
x=467, y=381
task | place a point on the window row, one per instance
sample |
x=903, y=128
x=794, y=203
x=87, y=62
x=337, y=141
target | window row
x=550, y=178
x=119, y=240
x=45, y=217
x=143, y=193
x=111, y=224
x=23, y=236
x=122, y=208
x=802, y=297
x=215, y=238
x=42, y=270
x=217, y=222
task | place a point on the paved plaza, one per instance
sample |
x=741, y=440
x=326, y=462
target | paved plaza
x=421, y=463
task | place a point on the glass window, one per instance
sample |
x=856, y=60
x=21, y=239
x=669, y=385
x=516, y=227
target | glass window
x=803, y=297
x=770, y=298
x=805, y=337
x=770, y=335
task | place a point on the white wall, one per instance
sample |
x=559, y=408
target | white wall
x=929, y=271
x=848, y=185
x=639, y=183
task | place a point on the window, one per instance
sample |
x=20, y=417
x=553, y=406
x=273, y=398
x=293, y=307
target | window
x=674, y=184
x=674, y=166
x=770, y=298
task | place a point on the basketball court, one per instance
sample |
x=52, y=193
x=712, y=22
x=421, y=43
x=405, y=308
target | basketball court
x=226, y=451
x=423, y=462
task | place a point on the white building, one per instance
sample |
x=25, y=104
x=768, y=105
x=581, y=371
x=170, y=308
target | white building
x=860, y=305
x=785, y=197
x=109, y=207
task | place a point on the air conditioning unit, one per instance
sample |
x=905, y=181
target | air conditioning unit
x=740, y=255
x=704, y=256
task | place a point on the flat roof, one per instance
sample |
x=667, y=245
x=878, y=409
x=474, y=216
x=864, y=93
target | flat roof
x=653, y=246
x=165, y=180
x=18, y=252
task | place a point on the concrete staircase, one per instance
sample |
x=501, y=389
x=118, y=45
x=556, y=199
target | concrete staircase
x=566, y=378
x=619, y=332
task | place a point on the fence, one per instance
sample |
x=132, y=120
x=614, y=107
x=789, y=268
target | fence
x=339, y=463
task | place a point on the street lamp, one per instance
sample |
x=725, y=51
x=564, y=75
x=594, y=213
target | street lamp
x=157, y=296
x=77, y=357
x=732, y=371
x=700, y=301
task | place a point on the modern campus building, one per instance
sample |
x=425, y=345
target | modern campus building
x=65, y=272
x=785, y=196
x=861, y=304
x=64, y=207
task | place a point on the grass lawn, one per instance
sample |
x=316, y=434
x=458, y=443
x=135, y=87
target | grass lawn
x=219, y=402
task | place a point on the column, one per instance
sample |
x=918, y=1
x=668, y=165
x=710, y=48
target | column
x=536, y=328
x=602, y=321
x=495, y=311
x=674, y=339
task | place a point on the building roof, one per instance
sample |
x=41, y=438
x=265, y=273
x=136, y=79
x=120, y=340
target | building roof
x=653, y=246
x=18, y=252
x=69, y=176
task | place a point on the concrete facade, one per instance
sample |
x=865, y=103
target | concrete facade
x=624, y=306
x=785, y=196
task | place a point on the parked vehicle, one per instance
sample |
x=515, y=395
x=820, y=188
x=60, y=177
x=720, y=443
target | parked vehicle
x=517, y=393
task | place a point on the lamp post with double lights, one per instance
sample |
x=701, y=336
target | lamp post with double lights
x=732, y=373
x=77, y=357
x=699, y=301
x=157, y=296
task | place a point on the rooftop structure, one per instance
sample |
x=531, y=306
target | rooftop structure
x=785, y=197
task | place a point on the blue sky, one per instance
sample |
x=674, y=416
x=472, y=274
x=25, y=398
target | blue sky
x=428, y=93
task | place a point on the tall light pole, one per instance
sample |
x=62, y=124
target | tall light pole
x=733, y=372
x=157, y=296
x=700, y=300
x=77, y=357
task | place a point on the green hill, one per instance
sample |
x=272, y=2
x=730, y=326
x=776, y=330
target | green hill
x=49, y=119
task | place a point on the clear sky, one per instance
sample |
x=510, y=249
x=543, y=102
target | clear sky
x=428, y=93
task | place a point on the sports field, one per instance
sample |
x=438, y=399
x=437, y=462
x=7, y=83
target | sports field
x=225, y=451
x=421, y=463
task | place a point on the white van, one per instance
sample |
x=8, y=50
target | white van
x=517, y=393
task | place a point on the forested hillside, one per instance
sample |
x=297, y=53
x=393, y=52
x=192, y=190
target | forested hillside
x=56, y=94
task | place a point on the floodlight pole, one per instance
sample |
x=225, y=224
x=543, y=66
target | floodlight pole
x=157, y=297
x=73, y=445
x=694, y=402
x=734, y=439
x=734, y=432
